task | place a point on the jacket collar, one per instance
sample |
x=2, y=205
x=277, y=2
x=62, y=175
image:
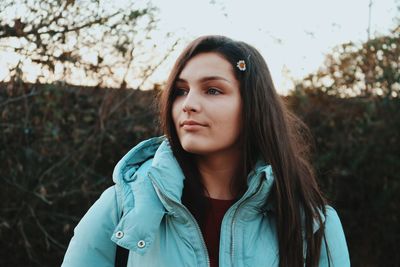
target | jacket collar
x=126, y=168
x=168, y=175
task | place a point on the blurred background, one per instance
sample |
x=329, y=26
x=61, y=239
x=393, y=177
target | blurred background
x=78, y=88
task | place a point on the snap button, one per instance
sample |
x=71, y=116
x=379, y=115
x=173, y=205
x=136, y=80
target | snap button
x=141, y=244
x=119, y=234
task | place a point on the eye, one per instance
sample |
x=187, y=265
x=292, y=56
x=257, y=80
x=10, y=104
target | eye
x=180, y=92
x=213, y=91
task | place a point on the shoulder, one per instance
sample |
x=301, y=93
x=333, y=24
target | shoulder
x=333, y=225
x=91, y=244
x=334, y=243
x=101, y=215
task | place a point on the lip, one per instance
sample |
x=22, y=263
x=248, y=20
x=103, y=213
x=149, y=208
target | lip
x=191, y=123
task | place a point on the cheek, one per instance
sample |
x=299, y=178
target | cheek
x=175, y=113
x=230, y=117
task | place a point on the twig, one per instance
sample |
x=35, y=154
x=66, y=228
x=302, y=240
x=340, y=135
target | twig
x=63, y=160
x=47, y=235
x=8, y=101
x=27, y=191
x=118, y=105
x=28, y=246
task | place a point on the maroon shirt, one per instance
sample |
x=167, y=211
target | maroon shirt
x=212, y=227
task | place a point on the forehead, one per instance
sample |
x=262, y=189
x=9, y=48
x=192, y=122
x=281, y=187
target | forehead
x=205, y=65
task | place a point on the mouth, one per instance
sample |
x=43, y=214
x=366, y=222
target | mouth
x=191, y=125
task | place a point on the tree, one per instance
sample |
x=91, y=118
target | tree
x=372, y=69
x=89, y=42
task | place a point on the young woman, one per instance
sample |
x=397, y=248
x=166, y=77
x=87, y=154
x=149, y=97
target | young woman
x=230, y=183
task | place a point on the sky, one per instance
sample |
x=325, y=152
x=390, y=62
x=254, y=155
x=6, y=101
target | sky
x=293, y=36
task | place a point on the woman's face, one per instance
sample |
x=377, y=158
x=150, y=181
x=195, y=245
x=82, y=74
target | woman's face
x=208, y=107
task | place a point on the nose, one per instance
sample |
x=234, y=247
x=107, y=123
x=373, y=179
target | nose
x=191, y=103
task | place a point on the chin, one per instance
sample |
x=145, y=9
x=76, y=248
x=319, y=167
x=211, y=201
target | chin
x=194, y=149
x=194, y=146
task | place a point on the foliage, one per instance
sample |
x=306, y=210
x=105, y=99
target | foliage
x=80, y=42
x=352, y=107
x=357, y=158
x=59, y=146
x=352, y=70
x=57, y=150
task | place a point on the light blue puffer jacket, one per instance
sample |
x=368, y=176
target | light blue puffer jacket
x=159, y=231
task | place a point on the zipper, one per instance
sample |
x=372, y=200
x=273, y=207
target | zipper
x=233, y=219
x=167, y=199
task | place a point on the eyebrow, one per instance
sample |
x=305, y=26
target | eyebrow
x=205, y=79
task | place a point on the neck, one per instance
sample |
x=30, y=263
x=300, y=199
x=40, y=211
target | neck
x=218, y=172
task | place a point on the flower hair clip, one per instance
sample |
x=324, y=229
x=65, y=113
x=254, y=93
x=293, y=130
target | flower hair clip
x=241, y=65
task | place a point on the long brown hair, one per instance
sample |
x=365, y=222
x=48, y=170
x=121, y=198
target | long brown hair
x=270, y=131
